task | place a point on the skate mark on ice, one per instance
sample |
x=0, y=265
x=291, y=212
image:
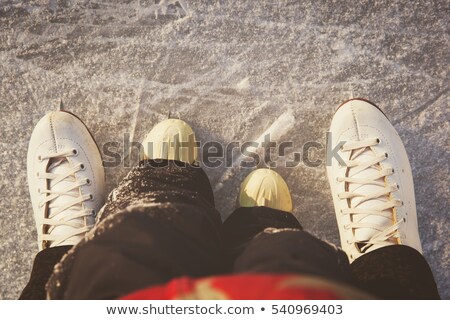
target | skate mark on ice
x=279, y=127
x=244, y=85
x=422, y=107
x=164, y=7
x=139, y=94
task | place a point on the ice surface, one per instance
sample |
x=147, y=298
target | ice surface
x=234, y=70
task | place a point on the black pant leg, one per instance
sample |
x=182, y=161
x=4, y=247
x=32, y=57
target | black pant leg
x=245, y=223
x=395, y=272
x=160, y=223
x=43, y=265
x=264, y=240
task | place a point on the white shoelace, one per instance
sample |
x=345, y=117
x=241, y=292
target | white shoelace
x=382, y=235
x=57, y=214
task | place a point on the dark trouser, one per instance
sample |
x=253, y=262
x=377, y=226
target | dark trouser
x=41, y=272
x=161, y=223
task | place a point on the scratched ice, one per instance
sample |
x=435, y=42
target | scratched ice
x=234, y=70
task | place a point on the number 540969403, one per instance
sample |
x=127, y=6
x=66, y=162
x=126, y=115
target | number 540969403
x=307, y=309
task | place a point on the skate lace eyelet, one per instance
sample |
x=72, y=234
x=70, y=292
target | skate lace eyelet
x=75, y=152
x=378, y=141
x=82, y=167
x=88, y=182
x=91, y=197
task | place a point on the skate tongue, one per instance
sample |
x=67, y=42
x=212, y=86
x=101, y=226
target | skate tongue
x=62, y=166
x=364, y=234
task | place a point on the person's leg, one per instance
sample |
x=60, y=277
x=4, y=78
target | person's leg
x=158, y=224
x=373, y=193
x=43, y=265
x=265, y=240
x=395, y=272
x=66, y=182
x=260, y=238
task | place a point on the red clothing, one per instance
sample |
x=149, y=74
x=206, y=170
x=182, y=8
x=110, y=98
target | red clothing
x=248, y=287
